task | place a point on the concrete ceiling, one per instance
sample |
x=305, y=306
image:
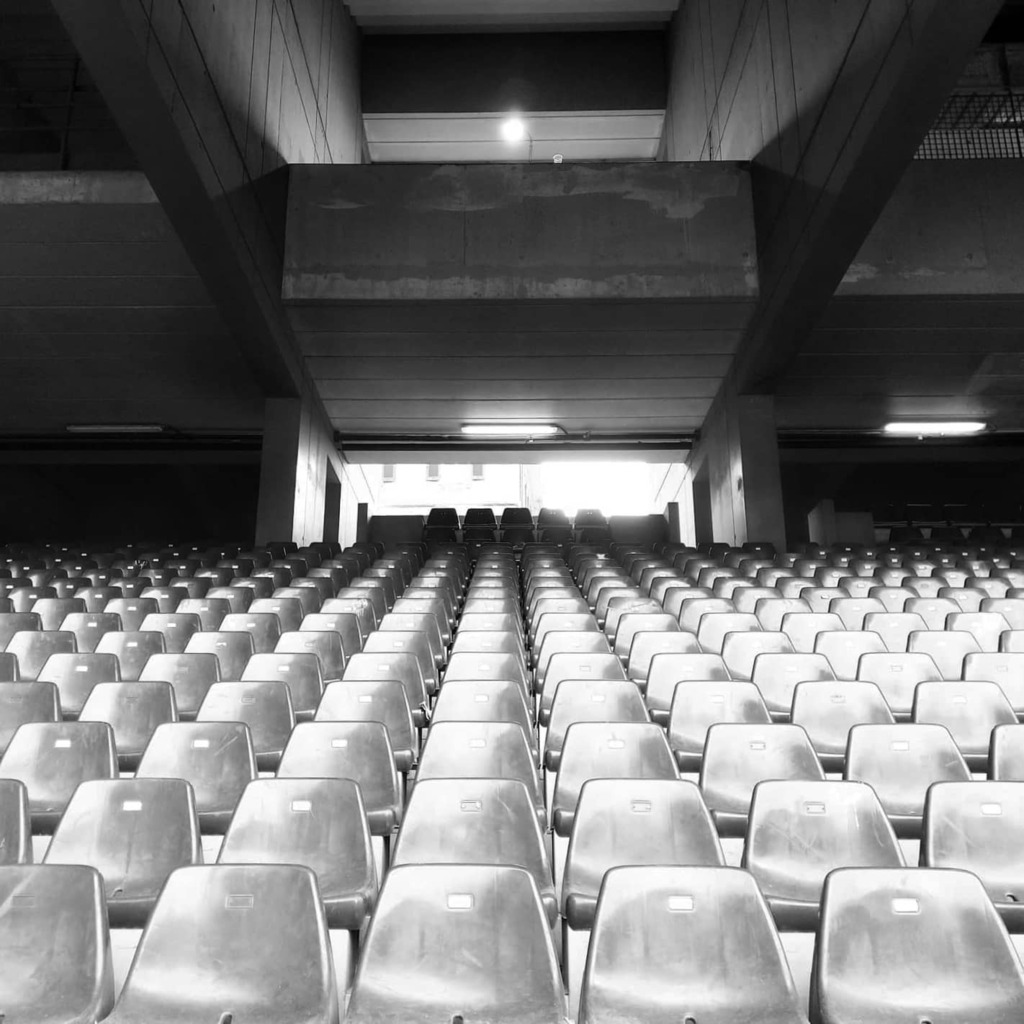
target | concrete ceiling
x=508, y=15
x=103, y=318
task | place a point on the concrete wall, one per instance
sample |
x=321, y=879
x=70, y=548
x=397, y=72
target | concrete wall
x=298, y=446
x=519, y=232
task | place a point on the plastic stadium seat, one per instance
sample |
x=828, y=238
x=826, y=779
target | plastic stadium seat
x=57, y=967
x=52, y=611
x=777, y=675
x=52, y=758
x=167, y=598
x=985, y=627
x=265, y=951
x=1012, y=642
x=897, y=676
x=8, y=668
x=819, y=599
x=132, y=611
x=970, y=711
x=133, y=711
x=32, y=648
x=480, y=750
x=946, y=648
x=697, y=706
x=15, y=826
x=217, y=758
x=685, y=944
x=135, y=832
x=360, y=607
x=327, y=644
x=96, y=598
x=844, y=649
x=669, y=669
x=75, y=675
x=414, y=643
x=176, y=628
x=899, y=945
x=88, y=627
x=264, y=628
x=693, y=611
x=360, y=751
x=570, y=665
x=238, y=599
x=803, y=630
x=319, y=824
x=476, y=821
x=132, y=649
x=190, y=675
x=472, y=642
x=401, y=666
x=485, y=700
x=827, y=710
x=618, y=750
x=1011, y=609
x=634, y=822
x=301, y=673
x=491, y=666
x=232, y=649
x=21, y=703
x=589, y=700
x=770, y=611
x=210, y=611
x=382, y=701
x=448, y=941
x=738, y=756
x=1006, y=754
x=635, y=625
x=894, y=628
x=740, y=650
x=934, y=611
x=900, y=762
x=264, y=706
x=800, y=831
x=1006, y=670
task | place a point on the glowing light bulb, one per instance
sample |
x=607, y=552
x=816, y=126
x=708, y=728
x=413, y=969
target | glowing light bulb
x=513, y=130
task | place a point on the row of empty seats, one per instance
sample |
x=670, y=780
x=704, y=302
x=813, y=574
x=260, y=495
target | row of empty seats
x=488, y=798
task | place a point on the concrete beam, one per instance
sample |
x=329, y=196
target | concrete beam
x=831, y=102
x=214, y=99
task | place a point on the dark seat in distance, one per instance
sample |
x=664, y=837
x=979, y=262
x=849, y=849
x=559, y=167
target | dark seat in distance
x=15, y=824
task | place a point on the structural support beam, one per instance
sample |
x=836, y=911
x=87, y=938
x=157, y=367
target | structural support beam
x=737, y=486
x=830, y=101
x=300, y=471
x=215, y=100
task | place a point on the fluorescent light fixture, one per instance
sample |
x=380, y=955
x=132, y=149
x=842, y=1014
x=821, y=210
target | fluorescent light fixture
x=115, y=428
x=513, y=130
x=511, y=429
x=935, y=428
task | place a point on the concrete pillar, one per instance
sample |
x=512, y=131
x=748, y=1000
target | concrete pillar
x=735, y=471
x=299, y=463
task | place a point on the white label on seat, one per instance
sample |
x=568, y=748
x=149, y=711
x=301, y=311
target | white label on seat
x=906, y=905
x=838, y=698
x=81, y=668
x=481, y=698
x=471, y=806
x=339, y=743
x=681, y=904
x=585, y=669
x=991, y=810
x=477, y=744
x=302, y=806
x=131, y=805
x=397, y=644
x=460, y=901
x=62, y=744
x=365, y=698
x=284, y=668
x=758, y=745
x=309, y=643
x=597, y=698
x=640, y=806
x=814, y=808
x=200, y=744
x=250, y=625
x=92, y=625
x=247, y=700
x=959, y=699
x=132, y=643
x=900, y=745
x=239, y=902
x=895, y=668
x=220, y=643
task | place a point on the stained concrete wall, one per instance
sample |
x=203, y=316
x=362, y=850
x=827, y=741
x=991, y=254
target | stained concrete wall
x=396, y=233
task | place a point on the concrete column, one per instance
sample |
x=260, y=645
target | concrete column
x=736, y=466
x=299, y=461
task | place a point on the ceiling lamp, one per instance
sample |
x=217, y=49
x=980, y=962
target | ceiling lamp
x=935, y=428
x=511, y=430
x=513, y=130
